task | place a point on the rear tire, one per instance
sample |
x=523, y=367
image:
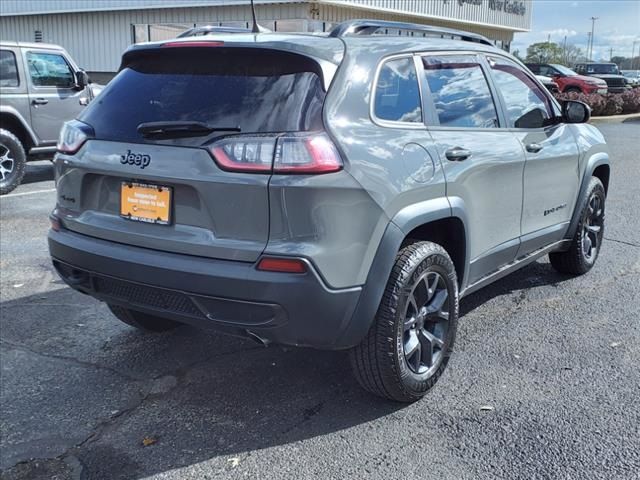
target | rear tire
x=12, y=161
x=143, y=321
x=586, y=242
x=409, y=344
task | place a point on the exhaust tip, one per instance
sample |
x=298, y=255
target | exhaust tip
x=254, y=336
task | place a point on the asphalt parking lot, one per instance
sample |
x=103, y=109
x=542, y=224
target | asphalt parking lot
x=544, y=383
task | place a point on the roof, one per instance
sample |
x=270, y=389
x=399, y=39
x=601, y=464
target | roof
x=48, y=46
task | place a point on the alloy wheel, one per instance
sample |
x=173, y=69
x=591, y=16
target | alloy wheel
x=426, y=323
x=592, y=230
x=6, y=162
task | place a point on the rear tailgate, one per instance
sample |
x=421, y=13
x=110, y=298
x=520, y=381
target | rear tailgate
x=213, y=212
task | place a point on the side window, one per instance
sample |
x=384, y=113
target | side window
x=546, y=71
x=527, y=105
x=49, y=70
x=397, y=96
x=8, y=69
x=460, y=91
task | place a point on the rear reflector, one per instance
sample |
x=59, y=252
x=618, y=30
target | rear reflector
x=282, y=265
x=191, y=44
x=55, y=223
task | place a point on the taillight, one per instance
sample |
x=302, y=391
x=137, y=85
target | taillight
x=245, y=154
x=72, y=136
x=284, y=154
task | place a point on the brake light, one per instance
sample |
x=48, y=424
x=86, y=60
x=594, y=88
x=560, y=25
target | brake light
x=282, y=265
x=285, y=154
x=72, y=136
x=192, y=44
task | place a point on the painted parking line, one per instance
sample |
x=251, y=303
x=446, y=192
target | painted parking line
x=21, y=194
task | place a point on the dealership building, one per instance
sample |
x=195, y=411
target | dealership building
x=96, y=32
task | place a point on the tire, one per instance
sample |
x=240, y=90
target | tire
x=587, y=241
x=572, y=89
x=12, y=161
x=142, y=321
x=382, y=363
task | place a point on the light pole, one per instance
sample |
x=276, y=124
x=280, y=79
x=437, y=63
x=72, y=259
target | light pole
x=593, y=26
x=633, y=51
x=588, y=46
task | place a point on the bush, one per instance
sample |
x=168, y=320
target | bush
x=608, y=104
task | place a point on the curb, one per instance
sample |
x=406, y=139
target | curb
x=632, y=117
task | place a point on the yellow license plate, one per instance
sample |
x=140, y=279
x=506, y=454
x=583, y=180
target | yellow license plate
x=145, y=203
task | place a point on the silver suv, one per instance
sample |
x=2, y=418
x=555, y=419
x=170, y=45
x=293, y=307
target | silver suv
x=40, y=88
x=337, y=192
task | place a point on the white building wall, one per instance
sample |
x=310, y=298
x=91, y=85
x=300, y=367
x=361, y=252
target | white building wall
x=96, y=40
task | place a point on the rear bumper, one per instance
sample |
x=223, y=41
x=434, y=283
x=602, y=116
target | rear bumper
x=292, y=309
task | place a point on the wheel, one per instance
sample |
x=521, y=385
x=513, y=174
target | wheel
x=573, y=89
x=586, y=243
x=142, y=321
x=409, y=344
x=12, y=161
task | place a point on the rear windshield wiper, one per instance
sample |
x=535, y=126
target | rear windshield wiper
x=177, y=129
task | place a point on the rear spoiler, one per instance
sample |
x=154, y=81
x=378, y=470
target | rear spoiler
x=326, y=60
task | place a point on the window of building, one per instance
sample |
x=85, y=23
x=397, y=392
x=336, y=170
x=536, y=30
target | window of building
x=460, y=91
x=8, y=69
x=527, y=105
x=397, y=96
x=49, y=70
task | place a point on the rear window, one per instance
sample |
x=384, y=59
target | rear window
x=257, y=91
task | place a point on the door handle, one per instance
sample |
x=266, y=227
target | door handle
x=534, y=147
x=39, y=101
x=457, y=154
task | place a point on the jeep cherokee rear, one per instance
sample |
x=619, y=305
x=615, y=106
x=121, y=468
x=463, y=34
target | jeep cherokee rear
x=336, y=192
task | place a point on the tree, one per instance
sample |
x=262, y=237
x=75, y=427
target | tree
x=573, y=55
x=544, y=52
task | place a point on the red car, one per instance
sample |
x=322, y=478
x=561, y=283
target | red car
x=568, y=80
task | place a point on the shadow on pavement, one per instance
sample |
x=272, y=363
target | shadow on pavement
x=103, y=388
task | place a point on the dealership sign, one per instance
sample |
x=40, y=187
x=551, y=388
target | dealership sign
x=516, y=7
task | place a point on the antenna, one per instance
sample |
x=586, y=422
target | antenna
x=255, y=28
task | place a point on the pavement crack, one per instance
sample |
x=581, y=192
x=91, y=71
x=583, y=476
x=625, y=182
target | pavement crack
x=630, y=244
x=66, y=358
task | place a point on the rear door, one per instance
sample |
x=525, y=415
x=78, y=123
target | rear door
x=52, y=93
x=551, y=173
x=248, y=96
x=483, y=162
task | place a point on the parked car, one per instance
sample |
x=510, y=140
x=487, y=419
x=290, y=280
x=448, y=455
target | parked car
x=549, y=83
x=633, y=77
x=608, y=72
x=306, y=190
x=41, y=88
x=567, y=79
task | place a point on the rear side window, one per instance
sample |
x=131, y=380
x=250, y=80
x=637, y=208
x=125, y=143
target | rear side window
x=460, y=91
x=397, y=96
x=8, y=69
x=49, y=70
x=257, y=91
x=527, y=105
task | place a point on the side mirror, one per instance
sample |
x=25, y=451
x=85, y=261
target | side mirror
x=82, y=79
x=575, y=112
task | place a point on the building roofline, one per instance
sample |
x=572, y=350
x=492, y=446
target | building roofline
x=337, y=3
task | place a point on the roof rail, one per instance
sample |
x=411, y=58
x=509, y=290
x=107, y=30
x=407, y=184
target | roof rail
x=369, y=27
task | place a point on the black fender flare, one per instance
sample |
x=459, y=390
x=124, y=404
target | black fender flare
x=595, y=161
x=397, y=230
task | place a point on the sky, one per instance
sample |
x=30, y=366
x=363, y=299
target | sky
x=617, y=27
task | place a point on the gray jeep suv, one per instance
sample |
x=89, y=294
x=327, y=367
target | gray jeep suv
x=337, y=192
